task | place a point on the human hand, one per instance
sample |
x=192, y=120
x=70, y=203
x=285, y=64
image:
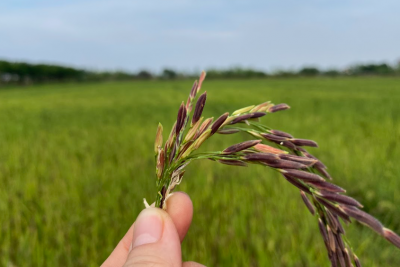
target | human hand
x=156, y=236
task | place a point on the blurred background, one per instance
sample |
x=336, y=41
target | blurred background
x=83, y=85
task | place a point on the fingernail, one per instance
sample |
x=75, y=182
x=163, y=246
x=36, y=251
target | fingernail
x=148, y=227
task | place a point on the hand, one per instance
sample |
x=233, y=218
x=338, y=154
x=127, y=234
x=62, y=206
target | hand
x=155, y=238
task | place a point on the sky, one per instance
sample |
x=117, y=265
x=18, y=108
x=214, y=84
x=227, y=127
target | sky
x=193, y=35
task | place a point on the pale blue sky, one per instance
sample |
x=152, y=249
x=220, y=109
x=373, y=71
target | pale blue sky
x=192, y=35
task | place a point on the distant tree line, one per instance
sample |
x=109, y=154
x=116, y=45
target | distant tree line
x=26, y=73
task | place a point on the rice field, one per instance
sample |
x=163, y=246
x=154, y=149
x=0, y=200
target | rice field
x=76, y=161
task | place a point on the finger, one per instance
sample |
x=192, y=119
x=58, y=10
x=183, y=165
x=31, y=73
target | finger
x=155, y=241
x=192, y=264
x=119, y=254
x=180, y=208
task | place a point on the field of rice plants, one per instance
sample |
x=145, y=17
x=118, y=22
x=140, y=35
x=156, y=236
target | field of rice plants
x=76, y=161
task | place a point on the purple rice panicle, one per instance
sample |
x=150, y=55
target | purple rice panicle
x=242, y=110
x=281, y=133
x=306, y=161
x=356, y=261
x=391, y=237
x=228, y=131
x=275, y=138
x=241, y=118
x=287, y=155
x=304, y=142
x=307, y=202
x=298, y=184
x=340, y=199
x=241, y=146
x=199, y=107
x=218, y=122
x=286, y=164
x=262, y=157
x=203, y=127
x=278, y=107
x=159, y=139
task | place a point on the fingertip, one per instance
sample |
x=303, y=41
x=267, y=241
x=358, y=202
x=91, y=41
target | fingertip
x=155, y=240
x=180, y=199
x=148, y=227
x=180, y=209
x=192, y=264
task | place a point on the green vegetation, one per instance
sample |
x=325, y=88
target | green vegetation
x=22, y=73
x=77, y=159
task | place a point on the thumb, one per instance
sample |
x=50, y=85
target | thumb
x=155, y=241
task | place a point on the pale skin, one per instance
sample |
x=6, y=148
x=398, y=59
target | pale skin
x=156, y=236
